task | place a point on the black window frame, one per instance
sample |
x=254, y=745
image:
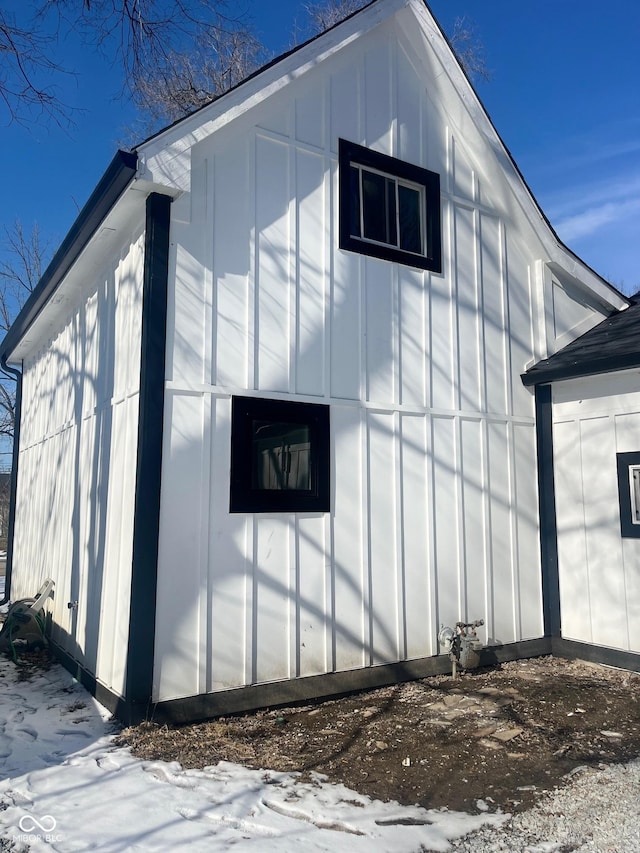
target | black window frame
x=244, y=497
x=349, y=153
x=624, y=462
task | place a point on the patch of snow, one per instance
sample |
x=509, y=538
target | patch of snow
x=66, y=786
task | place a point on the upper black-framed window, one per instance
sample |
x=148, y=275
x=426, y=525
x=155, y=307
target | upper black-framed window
x=279, y=456
x=389, y=209
x=628, y=465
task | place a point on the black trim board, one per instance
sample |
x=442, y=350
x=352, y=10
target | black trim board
x=245, y=496
x=146, y=526
x=574, y=650
x=628, y=530
x=350, y=153
x=118, y=706
x=280, y=693
x=547, y=512
x=115, y=180
x=13, y=483
x=317, y=687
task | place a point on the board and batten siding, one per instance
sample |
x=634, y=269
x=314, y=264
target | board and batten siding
x=594, y=419
x=76, y=481
x=434, y=499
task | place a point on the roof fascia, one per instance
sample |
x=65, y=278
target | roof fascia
x=580, y=368
x=164, y=159
x=119, y=174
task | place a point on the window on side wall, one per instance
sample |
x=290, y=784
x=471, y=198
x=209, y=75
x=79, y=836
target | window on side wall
x=279, y=456
x=389, y=209
x=628, y=465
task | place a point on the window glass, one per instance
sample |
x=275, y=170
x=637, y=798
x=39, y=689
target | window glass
x=281, y=456
x=410, y=219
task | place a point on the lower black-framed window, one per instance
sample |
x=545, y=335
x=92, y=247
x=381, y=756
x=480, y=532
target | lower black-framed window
x=389, y=208
x=279, y=456
x=628, y=465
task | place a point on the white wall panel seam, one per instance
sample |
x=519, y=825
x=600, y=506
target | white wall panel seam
x=455, y=320
x=203, y=611
x=585, y=531
x=293, y=290
x=488, y=614
x=210, y=365
x=400, y=567
x=436, y=615
x=253, y=284
x=366, y=631
x=328, y=267
x=331, y=641
x=491, y=625
x=252, y=610
x=515, y=550
x=430, y=568
x=460, y=525
x=623, y=556
x=504, y=260
x=327, y=564
x=293, y=600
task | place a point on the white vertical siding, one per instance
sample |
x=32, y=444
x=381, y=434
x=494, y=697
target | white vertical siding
x=594, y=419
x=77, y=463
x=434, y=504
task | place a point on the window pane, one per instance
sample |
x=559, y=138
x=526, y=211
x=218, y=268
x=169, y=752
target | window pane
x=280, y=456
x=390, y=202
x=374, y=192
x=354, y=202
x=410, y=225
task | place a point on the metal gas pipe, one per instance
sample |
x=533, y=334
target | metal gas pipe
x=463, y=645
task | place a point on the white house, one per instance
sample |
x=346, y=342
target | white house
x=273, y=430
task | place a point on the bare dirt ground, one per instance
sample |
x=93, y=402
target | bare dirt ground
x=502, y=735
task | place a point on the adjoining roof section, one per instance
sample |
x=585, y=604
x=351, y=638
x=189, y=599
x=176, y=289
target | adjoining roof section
x=113, y=183
x=614, y=344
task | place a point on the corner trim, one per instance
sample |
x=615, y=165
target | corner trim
x=146, y=525
x=13, y=483
x=547, y=512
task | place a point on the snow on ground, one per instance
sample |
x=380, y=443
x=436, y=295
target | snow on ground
x=64, y=786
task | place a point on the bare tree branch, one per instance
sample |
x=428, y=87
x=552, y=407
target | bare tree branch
x=25, y=57
x=22, y=262
x=142, y=36
x=469, y=49
x=325, y=13
x=190, y=79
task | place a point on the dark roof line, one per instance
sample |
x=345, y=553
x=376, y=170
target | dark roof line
x=115, y=180
x=614, y=344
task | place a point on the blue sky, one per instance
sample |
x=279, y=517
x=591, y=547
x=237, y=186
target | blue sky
x=564, y=95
